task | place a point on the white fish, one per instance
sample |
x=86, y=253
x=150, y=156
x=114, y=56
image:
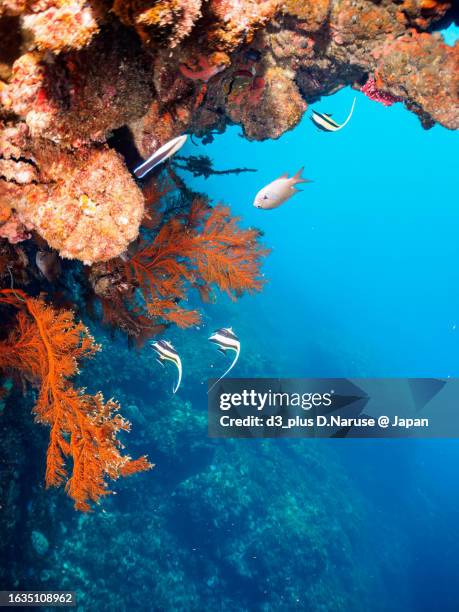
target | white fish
x=279, y=191
x=325, y=123
x=159, y=156
x=166, y=352
x=226, y=340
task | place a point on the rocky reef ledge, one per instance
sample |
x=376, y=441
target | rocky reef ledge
x=72, y=72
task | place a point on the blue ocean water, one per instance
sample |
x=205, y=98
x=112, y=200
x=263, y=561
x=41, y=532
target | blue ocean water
x=363, y=281
x=362, y=276
x=450, y=34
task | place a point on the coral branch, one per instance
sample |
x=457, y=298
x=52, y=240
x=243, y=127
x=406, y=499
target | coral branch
x=201, y=165
x=201, y=248
x=46, y=347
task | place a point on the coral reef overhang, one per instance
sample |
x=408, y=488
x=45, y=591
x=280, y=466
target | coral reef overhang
x=73, y=72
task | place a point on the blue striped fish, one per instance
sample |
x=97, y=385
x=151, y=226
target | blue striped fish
x=325, y=123
x=166, y=352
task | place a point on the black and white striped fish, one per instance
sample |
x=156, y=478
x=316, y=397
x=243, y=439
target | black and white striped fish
x=166, y=352
x=160, y=156
x=325, y=123
x=226, y=340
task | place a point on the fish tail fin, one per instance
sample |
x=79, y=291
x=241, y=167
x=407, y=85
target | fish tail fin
x=349, y=116
x=179, y=380
x=227, y=371
x=297, y=178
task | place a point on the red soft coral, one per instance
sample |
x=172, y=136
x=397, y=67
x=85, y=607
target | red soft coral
x=45, y=347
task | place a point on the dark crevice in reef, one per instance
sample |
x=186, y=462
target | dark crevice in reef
x=451, y=17
x=10, y=44
x=121, y=140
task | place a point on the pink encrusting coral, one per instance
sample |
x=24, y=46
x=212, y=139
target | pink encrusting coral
x=164, y=20
x=14, y=230
x=372, y=92
x=18, y=171
x=76, y=98
x=87, y=207
x=56, y=26
x=235, y=21
x=84, y=203
x=267, y=105
x=206, y=69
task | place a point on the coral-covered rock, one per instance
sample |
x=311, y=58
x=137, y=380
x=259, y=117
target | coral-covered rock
x=357, y=26
x=155, y=128
x=77, y=98
x=267, y=106
x=422, y=70
x=87, y=206
x=235, y=22
x=312, y=13
x=165, y=67
x=13, y=229
x=226, y=23
x=12, y=7
x=54, y=25
x=422, y=13
x=166, y=21
x=190, y=75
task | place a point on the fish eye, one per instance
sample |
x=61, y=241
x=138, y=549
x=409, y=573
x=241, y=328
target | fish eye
x=265, y=197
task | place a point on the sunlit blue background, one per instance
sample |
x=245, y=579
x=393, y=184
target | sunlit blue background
x=363, y=280
x=364, y=260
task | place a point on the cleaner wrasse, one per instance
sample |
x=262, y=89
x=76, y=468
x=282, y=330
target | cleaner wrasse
x=160, y=156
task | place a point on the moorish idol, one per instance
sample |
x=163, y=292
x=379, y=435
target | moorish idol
x=226, y=340
x=325, y=123
x=166, y=352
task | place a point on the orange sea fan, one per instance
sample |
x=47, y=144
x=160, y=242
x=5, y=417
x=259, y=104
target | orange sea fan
x=153, y=191
x=45, y=347
x=203, y=247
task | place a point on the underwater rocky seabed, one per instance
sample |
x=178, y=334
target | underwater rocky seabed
x=218, y=525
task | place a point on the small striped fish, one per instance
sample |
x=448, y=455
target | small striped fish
x=226, y=340
x=166, y=352
x=325, y=123
x=160, y=156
